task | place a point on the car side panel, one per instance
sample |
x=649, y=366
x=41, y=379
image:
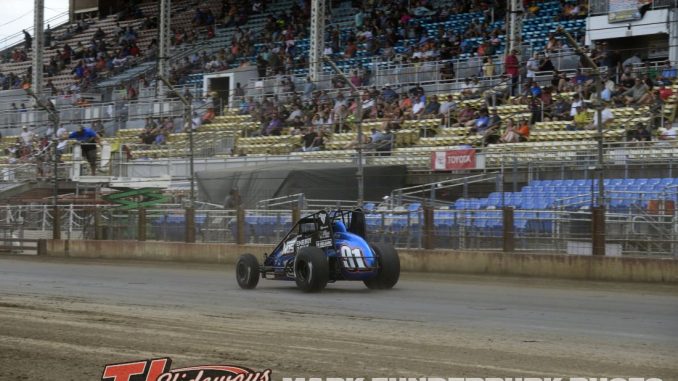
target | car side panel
x=358, y=261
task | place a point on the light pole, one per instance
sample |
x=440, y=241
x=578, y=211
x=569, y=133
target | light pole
x=598, y=213
x=54, y=119
x=359, y=120
x=188, y=114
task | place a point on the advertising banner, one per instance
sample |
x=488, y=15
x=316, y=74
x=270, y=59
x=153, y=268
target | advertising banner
x=453, y=160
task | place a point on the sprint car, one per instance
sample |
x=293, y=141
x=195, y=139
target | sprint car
x=324, y=247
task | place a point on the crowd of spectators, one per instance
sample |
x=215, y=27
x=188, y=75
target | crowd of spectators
x=156, y=132
x=565, y=97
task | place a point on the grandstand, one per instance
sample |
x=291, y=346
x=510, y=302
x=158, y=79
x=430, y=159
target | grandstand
x=437, y=78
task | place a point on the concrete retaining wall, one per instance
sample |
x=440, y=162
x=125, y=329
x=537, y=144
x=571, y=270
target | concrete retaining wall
x=438, y=261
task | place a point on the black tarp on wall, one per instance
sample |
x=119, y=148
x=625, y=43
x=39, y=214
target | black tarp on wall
x=316, y=181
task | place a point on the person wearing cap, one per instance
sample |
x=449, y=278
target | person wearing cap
x=88, y=140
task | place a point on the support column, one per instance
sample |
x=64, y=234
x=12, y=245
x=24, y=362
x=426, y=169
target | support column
x=515, y=23
x=296, y=214
x=141, y=223
x=38, y=46
x=428, y=228
x=56, y=222
x=598, y=230
x=98, y=233
x=315, y=52
x=673, y=35
x=190, y=225
x=164, y=38
x=508, y=237
x=240, y=223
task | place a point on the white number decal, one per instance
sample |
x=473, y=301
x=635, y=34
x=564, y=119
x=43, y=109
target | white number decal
x=352, y=258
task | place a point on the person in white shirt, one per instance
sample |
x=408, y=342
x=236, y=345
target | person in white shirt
x=532, y=66
x=61, y=132
x=418, y=106
x=606, y=116
x=26, y=136
x=633, y=60
x=670, y=132
x=447, y=107
x=576, y=102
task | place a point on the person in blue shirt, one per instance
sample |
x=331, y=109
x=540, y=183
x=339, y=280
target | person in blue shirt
x=481, y=123
x=88, y=140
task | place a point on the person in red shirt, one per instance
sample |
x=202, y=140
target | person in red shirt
x=511, y=67
x=134, y=50
x=665, y=92
x=351, y=50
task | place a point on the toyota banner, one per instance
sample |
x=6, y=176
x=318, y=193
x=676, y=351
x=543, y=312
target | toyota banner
x=453, y=160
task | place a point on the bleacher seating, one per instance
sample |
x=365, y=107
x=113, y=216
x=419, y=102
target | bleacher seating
x=416, y=138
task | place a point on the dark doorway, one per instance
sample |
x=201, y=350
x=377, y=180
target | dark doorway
x=222, y=88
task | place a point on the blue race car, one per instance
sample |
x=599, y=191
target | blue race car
x=324, y=247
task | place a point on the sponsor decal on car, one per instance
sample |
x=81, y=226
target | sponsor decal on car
x=288, y=248
x=303, y=243
x=324, y=243
x=159, y=370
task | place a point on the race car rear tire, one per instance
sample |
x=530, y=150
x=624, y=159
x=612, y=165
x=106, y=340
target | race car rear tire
x=311, y=270
x=389, y=268
x=247, y=271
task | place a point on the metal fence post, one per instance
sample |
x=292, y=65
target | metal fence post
x=296, y=214
x=428, y=227
x=508, y=238
x=598, y=230
x=56, y=223
x=141, y=224
x=240, y=222
x=97, y=223
x=190, y=225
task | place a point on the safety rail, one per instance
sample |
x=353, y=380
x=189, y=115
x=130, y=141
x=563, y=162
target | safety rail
x=408, y=194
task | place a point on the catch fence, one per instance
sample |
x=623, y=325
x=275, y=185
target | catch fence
x=567, y=229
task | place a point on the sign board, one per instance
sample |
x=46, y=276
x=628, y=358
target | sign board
x=624, y=10
x=453, y=160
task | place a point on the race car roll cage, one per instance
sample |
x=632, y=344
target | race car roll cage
x=353, y=221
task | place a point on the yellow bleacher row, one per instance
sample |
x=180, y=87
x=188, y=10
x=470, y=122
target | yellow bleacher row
x=413, y=133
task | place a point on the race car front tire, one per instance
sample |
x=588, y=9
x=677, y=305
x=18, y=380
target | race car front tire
x=247, y=271
x=389, y=268
x=311, y=270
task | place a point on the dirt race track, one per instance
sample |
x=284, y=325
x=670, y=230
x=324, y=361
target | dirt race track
x=65, y=319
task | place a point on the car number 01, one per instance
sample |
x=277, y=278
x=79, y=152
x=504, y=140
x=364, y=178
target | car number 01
x=352, y=258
